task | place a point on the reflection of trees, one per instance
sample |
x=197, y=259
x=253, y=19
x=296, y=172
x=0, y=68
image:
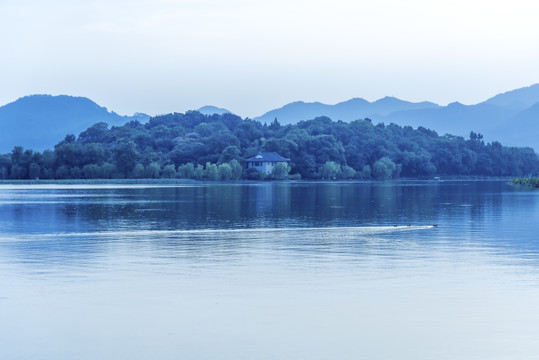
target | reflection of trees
x=160, y=208
x=466, y=208
x=250, y=205
x=267, y=204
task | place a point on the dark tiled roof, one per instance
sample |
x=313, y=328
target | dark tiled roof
x=268, y=156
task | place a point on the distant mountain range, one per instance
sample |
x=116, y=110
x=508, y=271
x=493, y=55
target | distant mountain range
x=511, y=118
x=38, y=122
x=210, y=110
x=346, y=111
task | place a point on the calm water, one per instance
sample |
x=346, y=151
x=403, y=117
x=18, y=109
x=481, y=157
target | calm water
x=270, y=271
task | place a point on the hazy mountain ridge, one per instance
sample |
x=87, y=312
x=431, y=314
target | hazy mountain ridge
x=210, y=110
x=511, y=117
x=41, y=121
x=521, y=99
x=455, y=118
x=346, y=110
x=526, y=131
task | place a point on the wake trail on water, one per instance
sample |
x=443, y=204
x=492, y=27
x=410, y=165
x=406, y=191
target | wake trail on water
x=359, y=230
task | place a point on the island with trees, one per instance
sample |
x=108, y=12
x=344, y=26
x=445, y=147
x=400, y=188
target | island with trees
x=214, y=147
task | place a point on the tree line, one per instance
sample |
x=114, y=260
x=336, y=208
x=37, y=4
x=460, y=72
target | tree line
x=197, y=146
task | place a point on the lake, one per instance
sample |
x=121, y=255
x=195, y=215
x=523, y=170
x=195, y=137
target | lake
x=273, y=270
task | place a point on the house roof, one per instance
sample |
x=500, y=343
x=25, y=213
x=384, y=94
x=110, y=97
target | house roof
x=268, y=156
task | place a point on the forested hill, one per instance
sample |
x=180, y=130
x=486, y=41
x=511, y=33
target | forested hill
x=193, y=145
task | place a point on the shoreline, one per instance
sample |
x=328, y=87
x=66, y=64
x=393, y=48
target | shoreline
x=173, y=182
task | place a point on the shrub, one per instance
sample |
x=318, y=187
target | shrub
x=280, y=170
x=383, y=169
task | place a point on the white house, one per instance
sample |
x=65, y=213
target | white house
x=265, y=161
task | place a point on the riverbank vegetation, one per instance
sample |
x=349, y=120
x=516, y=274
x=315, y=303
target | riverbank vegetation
x=528, y=182
x=197, y=146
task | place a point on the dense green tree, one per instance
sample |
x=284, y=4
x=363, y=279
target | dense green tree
x=347, y=172
x=199, y=172
x=34, y=171
x=383, y=169
x=280, y=170
x=92, y=171
x=247, y=132
x=5, y=165
x=108, y=170
x=138, y=171
x=153, y=170
x=216, y=144
x=275, y=125
x=186, y=171
x=417, y=164
x=285, y=147
x=67, y=154
x=229, y=153
x=330, y=170
x=20, y=160
x=225, y=171
x=231, y=121
x=366, y=172
x=168, y=172
x=236, y=169
x=211, y=172
x=92, y=153
x=97, y=133
x=125, y=157
x=75, y=172
x=62, y=172
x=188, y=148
x=252, y=174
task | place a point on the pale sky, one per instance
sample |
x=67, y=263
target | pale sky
x=251, y=56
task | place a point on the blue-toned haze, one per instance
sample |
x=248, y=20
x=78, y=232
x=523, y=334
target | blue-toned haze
x=253, y=56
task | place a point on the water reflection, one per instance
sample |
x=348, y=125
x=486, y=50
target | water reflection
x=476, y=212
x=270, y=270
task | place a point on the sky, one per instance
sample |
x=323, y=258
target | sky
x=251, y=56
